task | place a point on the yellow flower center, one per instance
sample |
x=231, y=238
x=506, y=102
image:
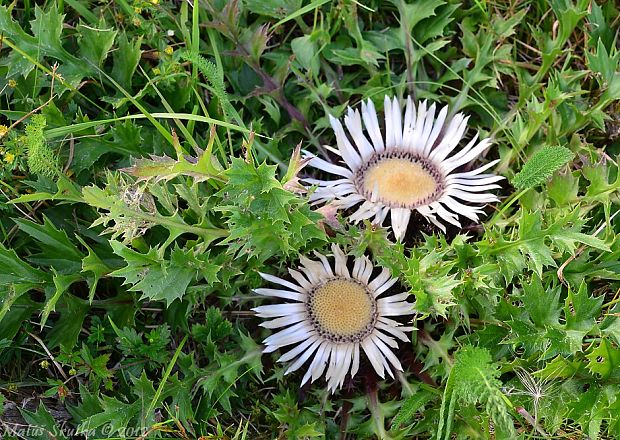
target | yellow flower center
x=342, y=310
x=400, y=182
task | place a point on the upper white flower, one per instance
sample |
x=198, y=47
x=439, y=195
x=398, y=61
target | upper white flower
x=410, y=168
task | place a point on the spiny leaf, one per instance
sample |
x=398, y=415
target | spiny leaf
x=541, y=166
x=160, y=279
x=604, y=359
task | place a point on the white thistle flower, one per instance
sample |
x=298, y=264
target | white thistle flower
x=335, y=313
x=410, y=168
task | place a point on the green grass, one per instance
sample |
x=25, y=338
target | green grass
x=146, y=162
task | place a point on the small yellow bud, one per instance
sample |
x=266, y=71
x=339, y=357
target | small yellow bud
x=155, y=2
x=44, y=364
x=3, y=131
x=169, y=50
x=137, y=22
x=9, y=158
x=137, y=10
x=156, y=71
x=12, y=83
x=73, y=372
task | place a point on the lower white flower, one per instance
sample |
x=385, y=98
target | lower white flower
x=334, y=313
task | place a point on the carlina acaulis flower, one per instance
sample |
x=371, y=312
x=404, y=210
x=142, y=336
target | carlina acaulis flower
x=410, y=166
x=333, y=315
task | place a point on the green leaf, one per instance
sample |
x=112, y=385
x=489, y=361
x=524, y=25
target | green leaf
x=273, y=8
x=126, y=59
x=428, y=274
x=92, y=263
x=413, y=13
x=67, y=328
x=305, y=51
x=132, y=210
x=55, y=244
x=115, y=414
x=541, y=166
x=264, y=218
x=95, y=43
x=604, y=359
x=159, y=279
x=581, y=310
x=61, y=284
x=15, y=270
x=17, y=278
x=543, y=305
x=46, y=42
x=42, y=160
x=410, y=407
x=45, y=424
x=474, y=378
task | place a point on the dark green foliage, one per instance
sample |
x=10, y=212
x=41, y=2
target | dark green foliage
x=144, y=184
x=264, y=218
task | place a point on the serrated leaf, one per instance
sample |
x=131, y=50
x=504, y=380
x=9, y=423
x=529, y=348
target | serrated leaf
x=57, y=248
x=126, y=59
x=115, y=414
x=66, y=329
x=44, y=421
x=543, y=305
x=264, y=218
x=61, y=284
x=428, y=274
x=581, y=310
x=410, y=407
x=92, y=263
x=46, y=42
x=159, y=279
x=15, y=270
x=95, y=43
x=604, y=359
x=541, y=166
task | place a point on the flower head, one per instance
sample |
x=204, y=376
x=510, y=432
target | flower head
x=411, y=168
x=333, y=314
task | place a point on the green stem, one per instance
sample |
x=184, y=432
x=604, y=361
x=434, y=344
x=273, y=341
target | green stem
x=507, y=205
x=377, y=415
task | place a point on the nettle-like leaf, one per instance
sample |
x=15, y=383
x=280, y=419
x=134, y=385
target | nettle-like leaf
x=604, y=181
x=43, y=420
x=410, y=406
x=581, y=311
x=95, y=44
x=264, y=218
x=42, y=160
x=161, y=279
x=474, y=378
x=541, y=166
